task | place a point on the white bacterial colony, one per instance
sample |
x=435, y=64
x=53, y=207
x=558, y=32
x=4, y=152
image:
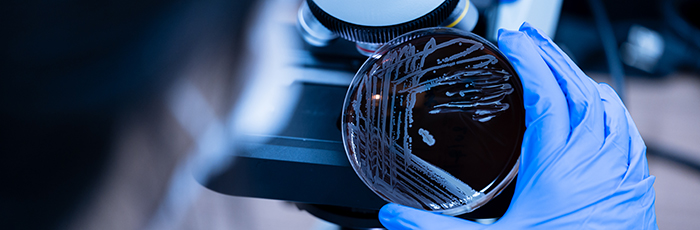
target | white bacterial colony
x=427, y=138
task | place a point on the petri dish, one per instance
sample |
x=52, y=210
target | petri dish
x=434, y=120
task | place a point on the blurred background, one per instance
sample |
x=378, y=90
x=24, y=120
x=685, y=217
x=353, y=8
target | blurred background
x=127, y=115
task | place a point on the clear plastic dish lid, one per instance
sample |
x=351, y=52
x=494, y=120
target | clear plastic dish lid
x=434, y=120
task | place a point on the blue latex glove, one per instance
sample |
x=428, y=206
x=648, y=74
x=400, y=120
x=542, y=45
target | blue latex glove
x=583, y=163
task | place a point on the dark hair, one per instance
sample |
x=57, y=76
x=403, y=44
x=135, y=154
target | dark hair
x=69, y=69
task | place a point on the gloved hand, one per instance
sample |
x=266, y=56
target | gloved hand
x=583, y=163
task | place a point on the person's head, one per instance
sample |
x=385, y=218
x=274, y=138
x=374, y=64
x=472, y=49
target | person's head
x=70, y=69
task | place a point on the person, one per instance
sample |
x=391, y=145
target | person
x=73, y=70
x=84, y=123
x=583, y=162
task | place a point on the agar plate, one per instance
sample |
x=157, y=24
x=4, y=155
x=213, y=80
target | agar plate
x=434, y=120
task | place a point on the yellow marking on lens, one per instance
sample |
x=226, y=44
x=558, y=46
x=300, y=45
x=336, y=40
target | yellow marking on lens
x=461, y=16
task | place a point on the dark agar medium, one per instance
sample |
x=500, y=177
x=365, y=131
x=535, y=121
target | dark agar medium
x=434, y=120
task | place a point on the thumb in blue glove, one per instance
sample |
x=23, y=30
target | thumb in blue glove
x=583, y=163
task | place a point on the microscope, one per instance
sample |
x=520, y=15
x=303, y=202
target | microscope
x=303, y=160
